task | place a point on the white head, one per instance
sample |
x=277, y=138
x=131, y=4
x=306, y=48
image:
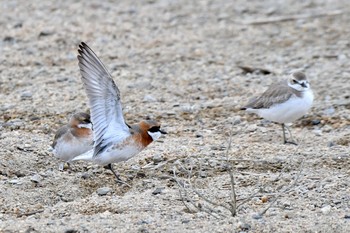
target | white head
x=298, y=82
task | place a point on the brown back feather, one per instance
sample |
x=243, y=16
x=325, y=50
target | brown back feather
x=275, y=94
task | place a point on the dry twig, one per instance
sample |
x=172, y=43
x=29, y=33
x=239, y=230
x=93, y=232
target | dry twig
x=206, y=209
x=261, y=213
x=293, y=17
x=232, y=205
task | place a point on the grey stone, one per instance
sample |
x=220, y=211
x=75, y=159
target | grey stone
x=36, y=178
x=326, y=209
x=149, y=98
x=157, y=191
x=61, y=79
x=157, y=158
x=103, y=191
x=256, y=216
x=26, y=95
x=15, y=181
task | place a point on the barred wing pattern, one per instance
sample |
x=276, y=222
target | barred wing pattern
x=104, y=99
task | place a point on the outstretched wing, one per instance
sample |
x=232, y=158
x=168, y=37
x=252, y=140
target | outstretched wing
x=276, y=94
x=104, y=98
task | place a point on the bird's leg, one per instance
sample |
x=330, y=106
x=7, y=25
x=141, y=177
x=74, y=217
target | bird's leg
x=284, y=135
x=109, y=167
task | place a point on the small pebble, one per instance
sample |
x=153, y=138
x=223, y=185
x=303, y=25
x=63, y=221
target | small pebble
x=256, y=216
x=317, y=132
x=187, y=108
x=71, y=231
x=264, y=199
x=143, y=230
x=85, y=175
x=157, y=191
x=149, y=99
x=36, y=178
x=34, y=118
x=244, y=226
x=14, y=181
x=143, y=222
x=61, y=79
x=330, y=144
x=342, y=57
x=157, y=158
x=202, y=174
x=236, y=120
x=326, y=209
x=311, y=186
x=103, y=191
x=329, y=111
x=9, y=39
x=286, y=204
x=46, y=33
x=252, y=128
x=327, y=128
x=316, y=122
x=135, y=167
x=185, y=221
x=26, y=95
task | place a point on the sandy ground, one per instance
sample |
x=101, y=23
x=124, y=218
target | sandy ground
x=177, y=62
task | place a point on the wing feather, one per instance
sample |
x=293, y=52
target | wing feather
x=104, y=99
x=59, y=134
x=275, y=94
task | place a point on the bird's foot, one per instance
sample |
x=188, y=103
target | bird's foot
x=118, y=180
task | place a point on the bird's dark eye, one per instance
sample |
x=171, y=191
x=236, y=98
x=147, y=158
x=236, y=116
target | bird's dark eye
x=86, y=121
x=295, y=81
x=154, y=129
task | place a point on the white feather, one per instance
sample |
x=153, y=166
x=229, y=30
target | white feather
x=104, y=98
x=289, y=111
x=67, y=150
x=110, y=155
x=87, y=156
x=87, y=126
x=154, y=135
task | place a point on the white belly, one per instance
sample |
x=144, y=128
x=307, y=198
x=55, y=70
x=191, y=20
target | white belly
x=66, y=151
x=117, y=154
x=289, y=111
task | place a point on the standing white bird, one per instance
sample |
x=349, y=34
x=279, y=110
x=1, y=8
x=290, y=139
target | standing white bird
x=284, y=102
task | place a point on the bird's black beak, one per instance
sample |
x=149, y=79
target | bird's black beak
x=303, y=84
x=162, y=132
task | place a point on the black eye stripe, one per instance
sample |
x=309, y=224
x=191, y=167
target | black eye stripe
x=154, y=129
x=85, y=121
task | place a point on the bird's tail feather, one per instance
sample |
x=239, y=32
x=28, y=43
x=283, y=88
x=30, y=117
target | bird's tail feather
x=87, y=156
